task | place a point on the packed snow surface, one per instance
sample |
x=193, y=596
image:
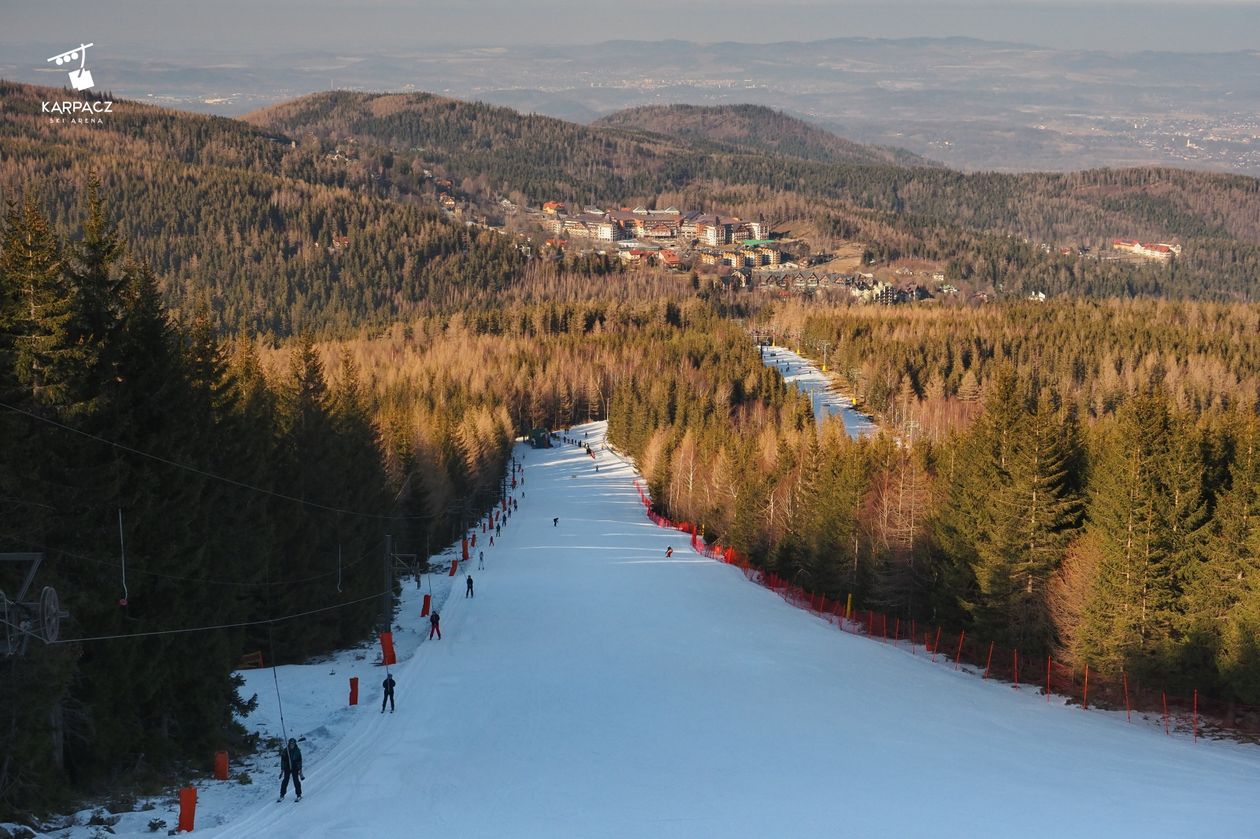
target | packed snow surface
x=827, y=401
x=595, y=688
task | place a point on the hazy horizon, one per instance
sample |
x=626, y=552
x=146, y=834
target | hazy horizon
x=1039, y=85
x=261, y=27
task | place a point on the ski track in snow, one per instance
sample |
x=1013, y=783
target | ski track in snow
x=593, y=688
x=801, y=373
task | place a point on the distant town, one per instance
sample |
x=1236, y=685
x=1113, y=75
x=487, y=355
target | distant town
x=721, y=249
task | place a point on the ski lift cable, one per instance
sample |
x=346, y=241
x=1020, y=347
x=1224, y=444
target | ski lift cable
x=189, y=629
x=122, y=551
x=200, y=580
x=212, y=475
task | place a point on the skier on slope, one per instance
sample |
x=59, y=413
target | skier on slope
x=388, y=684
x=291, y=767
x=435, y=626
x=669, y=551
x=468, y=592
x=481, y=560
x=555, y=522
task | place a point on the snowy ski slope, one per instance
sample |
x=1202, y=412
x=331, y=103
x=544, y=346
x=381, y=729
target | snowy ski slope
x=801, y=373
x=594, y=688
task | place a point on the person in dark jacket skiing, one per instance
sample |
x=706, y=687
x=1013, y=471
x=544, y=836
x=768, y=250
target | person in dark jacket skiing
x=388, y=684
x=291, y=767
x=481, y=559
x=468, y=592
x=434, y=626
x=669, y=551
x=555, y=521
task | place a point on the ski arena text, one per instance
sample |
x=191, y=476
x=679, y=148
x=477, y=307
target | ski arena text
x=77, y=112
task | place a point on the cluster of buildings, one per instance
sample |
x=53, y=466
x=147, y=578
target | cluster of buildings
x=751, y=253
x=642, y=223
x=1149, y=250
x=861, y=287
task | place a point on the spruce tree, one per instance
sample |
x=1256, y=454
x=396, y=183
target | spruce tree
x=1223, y=597
x=1037, y=521
x=1145, y=515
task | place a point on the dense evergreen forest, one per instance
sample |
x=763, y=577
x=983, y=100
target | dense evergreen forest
x=243, y=226
x=930, y=365
x=1116, y=530
x=230, y=491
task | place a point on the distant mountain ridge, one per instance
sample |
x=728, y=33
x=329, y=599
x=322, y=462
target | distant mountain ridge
x=756, y=128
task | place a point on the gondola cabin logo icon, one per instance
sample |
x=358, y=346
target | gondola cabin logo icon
x=80, y=79
x=77, y=111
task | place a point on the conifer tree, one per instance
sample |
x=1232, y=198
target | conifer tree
x=1145, y=515
x=1223, y=597
x=1036, y=523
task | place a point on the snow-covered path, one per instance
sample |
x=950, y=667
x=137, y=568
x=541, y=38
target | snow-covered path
x=593, y=688
x=801, y=373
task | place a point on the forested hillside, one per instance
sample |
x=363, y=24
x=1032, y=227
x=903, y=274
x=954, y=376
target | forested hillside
x=897, y=210
x=275, y=230
x=173, y=485
x=931, y=365
x=543, y=158
x=244, y=226
x=1125, y=540
x=757, y=128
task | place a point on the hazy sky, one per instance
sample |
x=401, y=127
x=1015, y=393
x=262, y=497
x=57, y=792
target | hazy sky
x=260, y=26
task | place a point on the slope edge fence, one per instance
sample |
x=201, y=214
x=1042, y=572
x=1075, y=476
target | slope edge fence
x=1196, y=715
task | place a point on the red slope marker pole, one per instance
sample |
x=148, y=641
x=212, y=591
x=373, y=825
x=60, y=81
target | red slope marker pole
x=1016, y=660
x=988, y=661
x=1164, y=696
x=1085, y=695
x=1048, y=660
x=958, y=655
x=1196, y=715
x=187, y=809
